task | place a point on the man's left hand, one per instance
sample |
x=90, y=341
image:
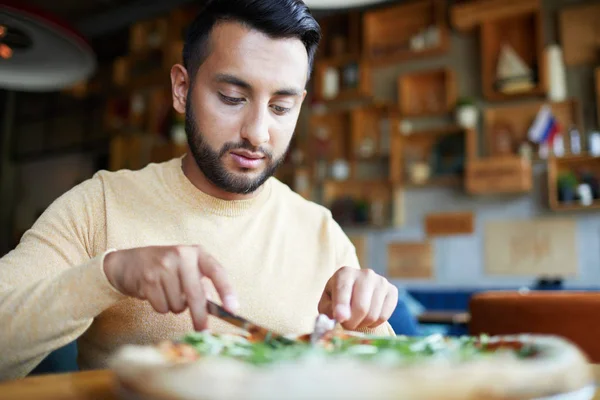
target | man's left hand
x=358, y=298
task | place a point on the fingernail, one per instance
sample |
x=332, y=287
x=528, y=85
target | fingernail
x=342, y=312
x=231, y=303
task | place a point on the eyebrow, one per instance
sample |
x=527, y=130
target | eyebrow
x=233, y=80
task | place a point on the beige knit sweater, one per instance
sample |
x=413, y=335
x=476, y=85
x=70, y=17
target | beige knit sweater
x=277, y=248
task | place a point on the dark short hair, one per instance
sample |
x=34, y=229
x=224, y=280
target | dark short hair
x=275, y=18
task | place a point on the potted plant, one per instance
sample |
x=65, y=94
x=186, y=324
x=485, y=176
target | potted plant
x=466, y=113
x=567, y=187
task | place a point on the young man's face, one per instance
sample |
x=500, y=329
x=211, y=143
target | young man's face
x=244, y=104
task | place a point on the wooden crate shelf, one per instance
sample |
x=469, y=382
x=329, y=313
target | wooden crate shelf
x=597, y=80
x=506, y=127
x=329, y=136
x=356, y=203
x=350, y=76
x=572, y=171
x=516, y=23
x=432, y=158
x=579, y=33
x=341, y=35
x=498, y=175
x=427, y=93
x=407, y=31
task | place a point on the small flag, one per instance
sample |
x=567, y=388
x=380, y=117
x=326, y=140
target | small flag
x=545, y=127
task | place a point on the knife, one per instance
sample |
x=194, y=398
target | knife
x=255, y=331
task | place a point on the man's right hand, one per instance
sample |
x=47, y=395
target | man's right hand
x=170, y=278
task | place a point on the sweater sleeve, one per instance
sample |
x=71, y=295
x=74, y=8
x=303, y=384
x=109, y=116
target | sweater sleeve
x=52, y=285
x=347, y=258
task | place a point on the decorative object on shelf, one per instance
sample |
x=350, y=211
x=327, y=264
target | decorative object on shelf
x=297, y=156
x=575, y=140
x=590, y=179
x=343, y=210
x=404, y=31
x=594, y=143
x=420, y=172
x=340, y=170
x=466, y=113
x=545, y=128
x=512, y=74
x=526, y=151
x=567, y=187
x=366, y=148
x=502, y=139
x=584, y=191
x=556, y=73
x=351, y=76
x=331, y=83
x=178, y=134
x=558, y=145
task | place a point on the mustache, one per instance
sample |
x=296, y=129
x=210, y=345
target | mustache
x=245, y=145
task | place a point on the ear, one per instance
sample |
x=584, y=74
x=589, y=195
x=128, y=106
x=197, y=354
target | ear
x=180, y=85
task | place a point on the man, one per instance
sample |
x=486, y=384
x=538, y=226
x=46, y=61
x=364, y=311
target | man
x=119, y=258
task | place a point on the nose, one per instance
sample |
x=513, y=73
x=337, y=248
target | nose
x=256, y=126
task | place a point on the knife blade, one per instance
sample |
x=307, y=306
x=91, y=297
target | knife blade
x=256, y=331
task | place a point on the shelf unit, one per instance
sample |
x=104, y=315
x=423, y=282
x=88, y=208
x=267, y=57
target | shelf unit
x=341, y=35
x=407, y=31
x=582, y=169
x=506, y=127
x=427, y=93
x=597, y=81
x=517, y=23
x=342, y=78
x=432, y=158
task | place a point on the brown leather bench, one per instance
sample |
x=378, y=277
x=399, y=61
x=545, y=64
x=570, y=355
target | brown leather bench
x=571, y=315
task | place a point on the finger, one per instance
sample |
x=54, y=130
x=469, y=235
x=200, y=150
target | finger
x=154, y=294
x=361, y=298
x=210, y=268
x=389, y=306
x=341, y=295
x=173, y=290
x=191, y=281
x=326, y=305
x=375, y=312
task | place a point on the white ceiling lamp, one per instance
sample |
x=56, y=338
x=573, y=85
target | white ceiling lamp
x=39, y=52
x=331, y=4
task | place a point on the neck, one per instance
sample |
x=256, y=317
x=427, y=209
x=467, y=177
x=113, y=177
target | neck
x=201, y=182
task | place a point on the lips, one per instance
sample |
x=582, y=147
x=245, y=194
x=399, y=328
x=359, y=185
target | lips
x=246, y=159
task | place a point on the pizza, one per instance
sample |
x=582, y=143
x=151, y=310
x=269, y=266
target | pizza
x=348, y=365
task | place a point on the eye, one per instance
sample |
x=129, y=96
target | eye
x=234, y=101
x=280, y=110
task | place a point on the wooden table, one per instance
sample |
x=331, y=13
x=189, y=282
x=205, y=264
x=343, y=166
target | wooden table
x=95, y=385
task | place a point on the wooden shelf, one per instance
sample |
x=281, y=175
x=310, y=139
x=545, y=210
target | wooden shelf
x=581, y=169
x=468, y=15
x=598, y=95
x=350, y=79
x=431, y=158
x=498, y=175
x=427, y=93
x=524, y=34
x=329, y=139
x=372, y=200
x=341, y=35
x=413, y=30
x=579, y=33
x=506, y=127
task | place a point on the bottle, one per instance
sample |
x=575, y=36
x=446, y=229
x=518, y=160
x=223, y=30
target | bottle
x=575, y=140
x=558, y=146
x=594, y=143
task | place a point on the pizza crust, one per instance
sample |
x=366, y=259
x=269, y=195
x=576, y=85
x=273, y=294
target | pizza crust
x=560, y=368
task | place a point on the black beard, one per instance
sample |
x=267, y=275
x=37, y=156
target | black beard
x=210, y=161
